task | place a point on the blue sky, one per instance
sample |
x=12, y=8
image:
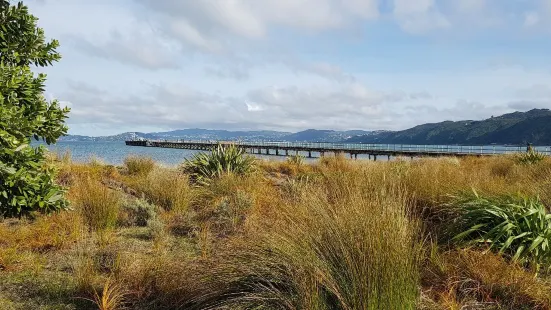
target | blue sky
x=152, y=65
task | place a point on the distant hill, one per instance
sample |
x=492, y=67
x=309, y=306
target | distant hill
x=514, y=128
x=310, y=135
x=313, y=135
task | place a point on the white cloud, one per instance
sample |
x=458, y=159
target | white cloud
x=418, y=16
x=293, y=64
x=531, y=19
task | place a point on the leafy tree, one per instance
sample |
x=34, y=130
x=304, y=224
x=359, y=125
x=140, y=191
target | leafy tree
x=26, y=179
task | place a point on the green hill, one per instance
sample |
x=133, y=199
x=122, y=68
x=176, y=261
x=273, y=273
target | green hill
x=515, y=128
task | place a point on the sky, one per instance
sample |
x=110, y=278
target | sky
x=156, y=65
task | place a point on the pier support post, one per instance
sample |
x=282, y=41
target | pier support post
x=296, y=153
x=322, y=154
x=388, y=157
x=369, y=156
x=351, y=155
x=355, y=156
x=259, y=151
x=277, y=152
x=374, y=157
x=267, y=151
x=309, y=154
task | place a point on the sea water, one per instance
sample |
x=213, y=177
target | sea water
x=114, y=153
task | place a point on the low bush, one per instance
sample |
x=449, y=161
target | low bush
x=517, y=226
x=137, y=165
x=221, y=160
x=531, y=157
x=138, y=212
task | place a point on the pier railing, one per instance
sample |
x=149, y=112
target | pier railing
x=365, y=147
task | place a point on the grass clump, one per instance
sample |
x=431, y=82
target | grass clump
x=529, y=158
x=165, y=188
x=319, y=249
x=112, y=296
x=223, y=159
x=297, y=160
x=137, y=165
x=517, y=226
x=98, y=205
x=472, y=279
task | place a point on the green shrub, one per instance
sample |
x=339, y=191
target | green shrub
x=528, y=158
x=139, y=212
x=137, y=165
x=221, y=160
x=516, y=226
x=26, y=180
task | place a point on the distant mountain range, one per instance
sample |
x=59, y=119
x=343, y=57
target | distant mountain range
x=514, y=128
x=310, y=135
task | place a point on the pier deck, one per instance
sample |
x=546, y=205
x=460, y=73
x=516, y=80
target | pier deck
x=311, y=149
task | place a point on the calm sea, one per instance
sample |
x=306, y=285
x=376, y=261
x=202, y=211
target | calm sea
x=114, y=153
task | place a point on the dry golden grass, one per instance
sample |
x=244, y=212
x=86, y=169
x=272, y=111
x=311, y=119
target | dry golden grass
x=459, y=278
x=98, y=205
x=166, y=188
x=334, y=234
x=137, y=165
x=112, y=296
x=334, y=244
x=47, y=233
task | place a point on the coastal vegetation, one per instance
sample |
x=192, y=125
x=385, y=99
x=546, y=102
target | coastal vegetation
x=445, y=233
x=26, y=181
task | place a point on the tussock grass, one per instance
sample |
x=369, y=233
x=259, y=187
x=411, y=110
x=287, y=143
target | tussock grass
x=333, y=234
x=337, y=251
x=98, y=205
x=46, y=233
x=460, y=279
x=138, y=165
x=112, y=296
x=165, y=188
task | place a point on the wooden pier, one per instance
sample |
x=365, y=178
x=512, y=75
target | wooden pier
x=353, y=150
